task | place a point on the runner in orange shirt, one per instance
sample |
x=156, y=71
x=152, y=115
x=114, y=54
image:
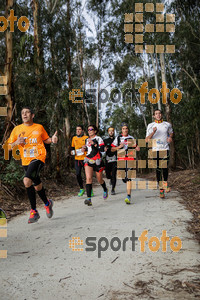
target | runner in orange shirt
x=78, y=141
x=30, y=138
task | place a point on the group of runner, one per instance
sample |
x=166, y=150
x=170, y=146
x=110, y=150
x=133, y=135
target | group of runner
x=89, y=151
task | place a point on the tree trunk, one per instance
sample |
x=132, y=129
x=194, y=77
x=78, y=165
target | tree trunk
x=192, y=157
x=70, y=84
x=98, y=89
x=197, y=139
x=189, y=157
x=156, y=78
x=148, y=77
x=8, y=71
x=140, y=107
x=68, y=48
x=82, y=79
x=38, y=53
x=168, y=112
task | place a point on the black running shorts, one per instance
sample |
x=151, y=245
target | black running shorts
x=96, y=168
x=32, y=171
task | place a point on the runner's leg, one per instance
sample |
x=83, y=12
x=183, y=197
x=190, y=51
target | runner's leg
x=165, y=174
x=78, y=168
x=89, y=174
x=158, y=170
x=108, y=170
x=128, y=188
x=102, y=183
x=36, y=167
x=30, y=172
x=114, y=174
x=159, y=175
x=41, y=193
x=30, y=192
x=165, y=170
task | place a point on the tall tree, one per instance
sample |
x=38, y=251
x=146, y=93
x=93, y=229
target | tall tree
x=8, y=69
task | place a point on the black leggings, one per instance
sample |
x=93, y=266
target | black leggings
x=162, y=172
x=78, y=167
x=32, y=172
x=111, y=171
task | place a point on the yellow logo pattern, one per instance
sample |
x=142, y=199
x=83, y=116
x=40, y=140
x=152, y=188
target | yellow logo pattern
x=76, y=241
x=140, y=28
x=122, y=164
x=3, y=92
x=3, y=234
x=76, y=93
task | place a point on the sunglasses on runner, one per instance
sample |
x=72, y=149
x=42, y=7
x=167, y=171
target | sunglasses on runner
x=91, y=129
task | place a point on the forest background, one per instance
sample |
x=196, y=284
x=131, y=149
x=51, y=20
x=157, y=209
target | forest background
x=74, y=44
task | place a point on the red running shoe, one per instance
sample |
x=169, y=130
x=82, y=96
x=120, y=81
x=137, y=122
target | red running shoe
x=34, y=216
x=49, y=210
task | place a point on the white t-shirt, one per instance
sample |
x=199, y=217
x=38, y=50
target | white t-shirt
x=122, y=139
x=89, y=146
x=162, y=133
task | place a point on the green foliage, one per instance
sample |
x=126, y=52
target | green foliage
x=11, y=172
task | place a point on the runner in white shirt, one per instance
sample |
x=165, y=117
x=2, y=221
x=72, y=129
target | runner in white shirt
x=120, y=142
x=162, y=133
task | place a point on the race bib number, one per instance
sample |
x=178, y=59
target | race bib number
x=31, y=152
x=160, y=144
x=79, y=152
x=91, y=161
x=111, y=159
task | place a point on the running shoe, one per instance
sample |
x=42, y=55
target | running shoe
x=49, y=210
x=162, y=194
x=166, y=187
x=112, y=192
x=128, y=200
x=34, y=216
x=88, y=202
x=81, y=192
x=92, y=193
x=105, y=194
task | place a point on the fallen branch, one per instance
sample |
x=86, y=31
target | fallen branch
x=64, y=278
x=7, y=191
x=114, y=260
x=192, y=285
x=178, y=271
x=129, y=286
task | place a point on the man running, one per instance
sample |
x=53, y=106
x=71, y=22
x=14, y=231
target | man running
x=78, y=142
x=93, y=162
x=162, y=133
x=123, y=141
x=30, y=138
x=111, y=159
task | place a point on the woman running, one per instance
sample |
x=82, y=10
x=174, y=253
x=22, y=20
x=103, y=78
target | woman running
x=94, y=145
x=122, y=142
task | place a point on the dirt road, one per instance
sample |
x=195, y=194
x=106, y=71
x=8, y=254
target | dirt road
x=41, y=265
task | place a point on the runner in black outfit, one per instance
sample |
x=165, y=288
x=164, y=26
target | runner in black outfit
x=94, y=145
x=111, y=159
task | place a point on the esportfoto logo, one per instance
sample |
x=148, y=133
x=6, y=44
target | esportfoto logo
x=115, y=96
x=102, y=244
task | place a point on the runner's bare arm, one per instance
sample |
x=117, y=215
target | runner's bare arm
x=53, y=140
x=151, y=135
x=20, y=141
x=169, y=139
x=113, y=149
x=137, y=148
